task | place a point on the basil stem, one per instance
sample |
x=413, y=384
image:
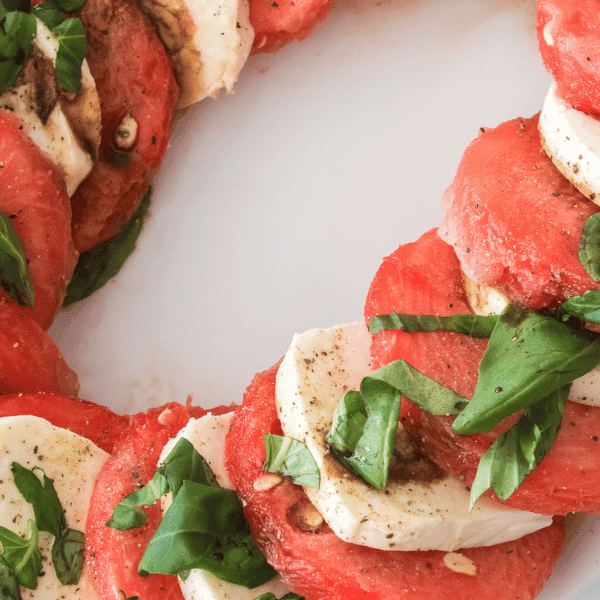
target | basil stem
x=290, y=457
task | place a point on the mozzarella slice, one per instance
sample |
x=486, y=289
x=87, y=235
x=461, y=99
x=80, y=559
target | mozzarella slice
x=54, y=134
x=208, y=42
x=207, y=435
x=571, y=139
x=73, y=462
x=320, y=366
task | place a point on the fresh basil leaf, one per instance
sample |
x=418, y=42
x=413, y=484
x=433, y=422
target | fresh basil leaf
x=67, y=555
x=125, y=597
x=48, y=511
x=586, y=307
x=22, y=28
x=126, y=515
x=290, y=457
x=183, y=463
x=98, y=265
x=476, y=326
x=365, y=423
x=527, y=358
x=49, y=13
x=14, y=271
x=72, y=48
x=519, y=451
x=368, y=451
x=272, y=596
x=205, y=528
x=22, y=555
x=9, y=585
x=589, y=246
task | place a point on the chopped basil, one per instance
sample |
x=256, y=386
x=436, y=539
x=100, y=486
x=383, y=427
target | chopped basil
x=365, y=423
x=528, y=357
x=586, y=307
x=72, y=48
x=517, y=452
x=126, y=516
x=14, y=270
x=98, y=265
x=17, y=33
x=290, y=457
x=589, y=246
x=473, y=325
x=203, y=528
x=22, y=555
x=9, y=585
x=69, y=544
x=125, y=597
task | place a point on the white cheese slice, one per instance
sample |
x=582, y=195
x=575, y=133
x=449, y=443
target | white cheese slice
x=73, y=462
x=207, y=435
x=208, y=42
x=320, y=366
x=54, y=136
x=571, y=138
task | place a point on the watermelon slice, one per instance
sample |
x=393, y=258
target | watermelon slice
x=33, y=195
x=514, y=221
x=137, y=91
x=424, y=278
x=316, y=564
x=569, y=40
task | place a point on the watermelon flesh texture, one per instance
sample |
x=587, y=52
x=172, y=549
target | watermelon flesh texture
x=569, y=40
x=134, y=79
x=33, y=195
x=424, y=278
x=277, y=23
x=318, y=565
x=514, y=221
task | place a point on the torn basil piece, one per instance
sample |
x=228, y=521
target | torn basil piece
x=72, y=48
x=365, y=422
x=289, y=457
x=22, y=555
x=473, y=325
x=9, y=585
x=14, y=270
x=517, y=452
x=205, y=528
x=528, y=357
x=589, y=246
x=586, y=307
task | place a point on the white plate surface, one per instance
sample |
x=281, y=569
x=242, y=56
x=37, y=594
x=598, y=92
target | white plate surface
x=275, y=205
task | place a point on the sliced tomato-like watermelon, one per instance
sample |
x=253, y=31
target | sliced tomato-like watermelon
x=92, y=421
x=317, y=564
x=279, y=22
x=33, y=195
x=424, y=278
x=137, y=91
x=514, y=221
x=569, y=40
x=114, y=555
x=29, y=358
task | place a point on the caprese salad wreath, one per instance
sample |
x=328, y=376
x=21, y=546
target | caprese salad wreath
x=428, y=451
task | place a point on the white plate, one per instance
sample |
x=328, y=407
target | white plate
x=275, y=205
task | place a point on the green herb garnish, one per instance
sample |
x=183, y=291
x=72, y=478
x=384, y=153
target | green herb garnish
x=589, y=246
x=289, y=457
x=22, y=555
x=14, y=270
x=528, y=357
x=204, y=527
x=272, y=596
x=98, y=265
